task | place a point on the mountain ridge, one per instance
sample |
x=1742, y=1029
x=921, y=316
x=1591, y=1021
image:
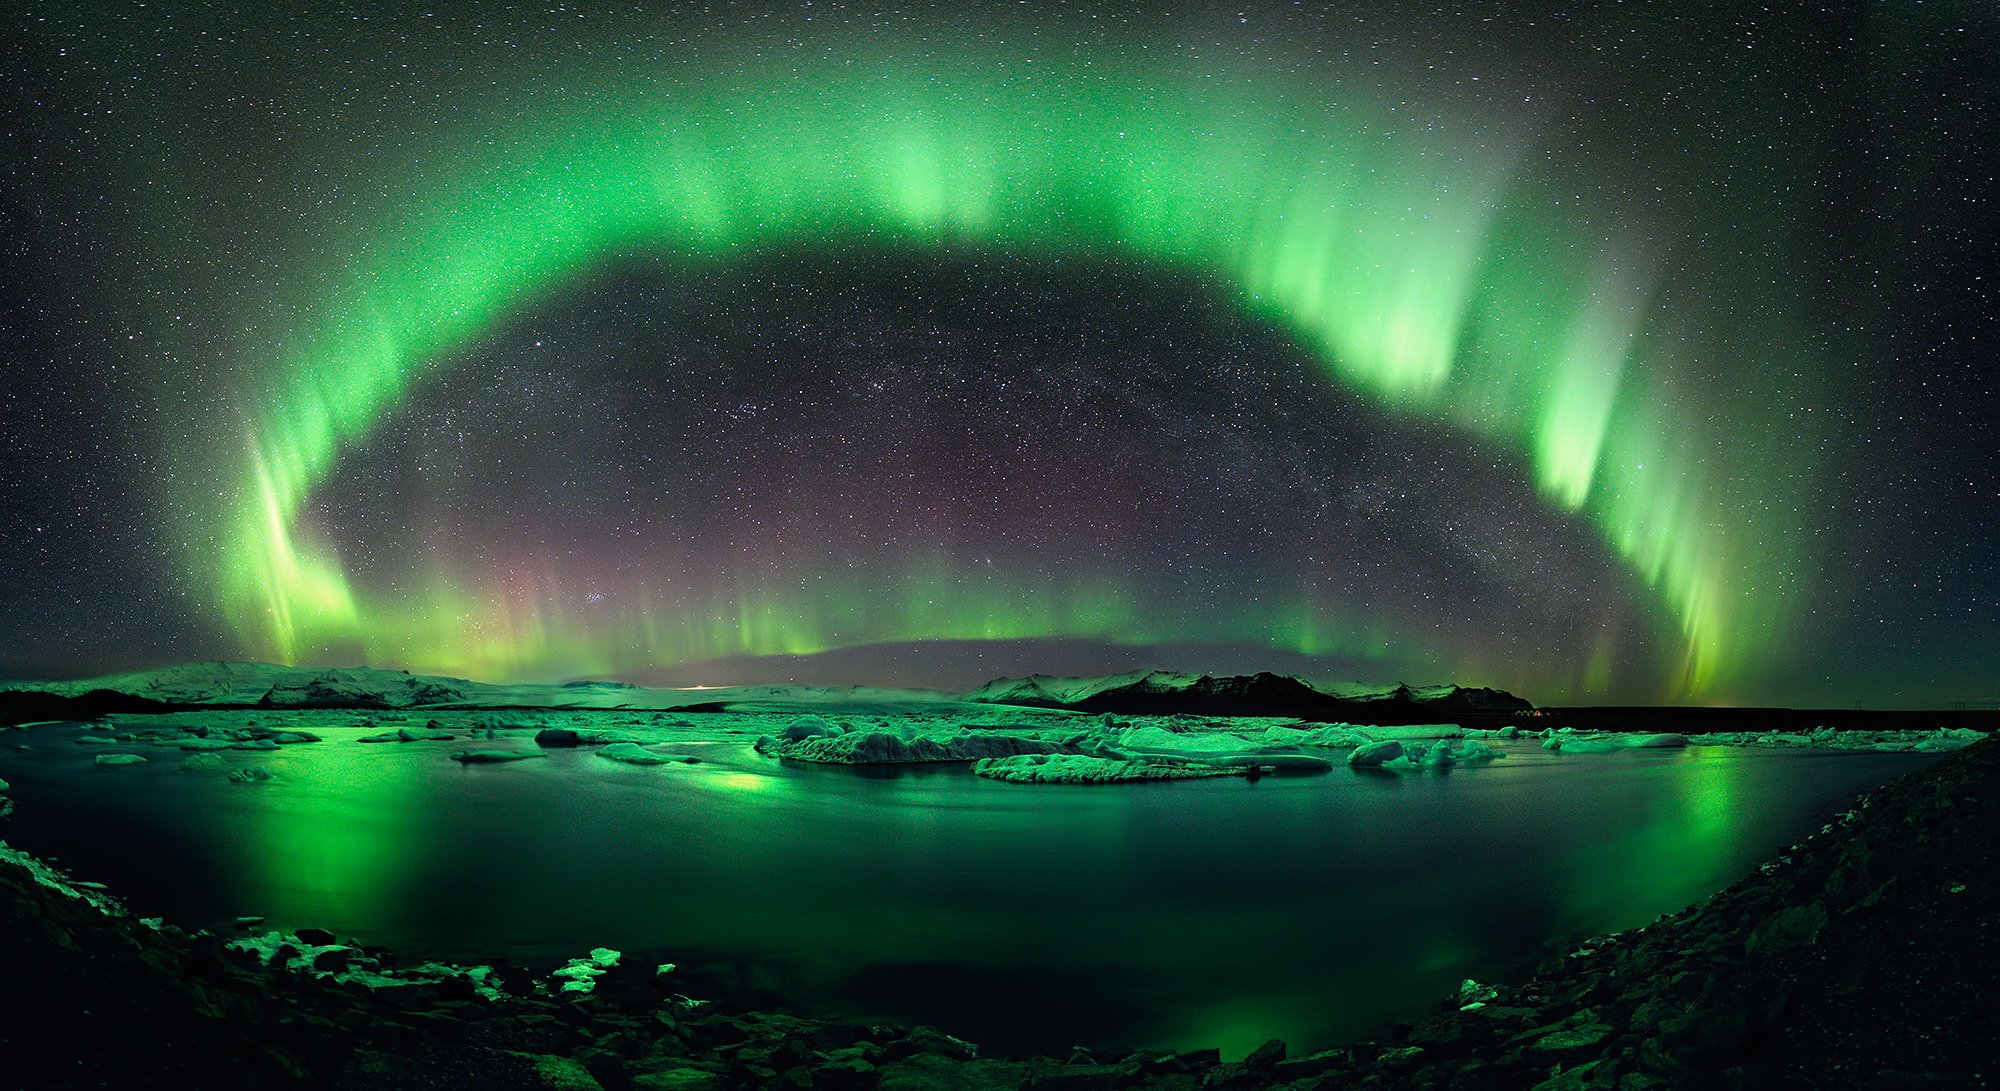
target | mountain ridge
x=1263, y=693
x=241, y=684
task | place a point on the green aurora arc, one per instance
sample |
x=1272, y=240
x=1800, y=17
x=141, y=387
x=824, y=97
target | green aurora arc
x=1423, y=264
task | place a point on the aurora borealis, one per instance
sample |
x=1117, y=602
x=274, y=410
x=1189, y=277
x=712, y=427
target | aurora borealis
x=1569, y=356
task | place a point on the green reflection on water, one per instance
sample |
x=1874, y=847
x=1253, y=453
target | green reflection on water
x=1315, y=909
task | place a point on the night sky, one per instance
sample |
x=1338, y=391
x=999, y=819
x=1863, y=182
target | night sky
x=1630, y=357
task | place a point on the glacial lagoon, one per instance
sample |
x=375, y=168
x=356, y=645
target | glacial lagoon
x=1313, y=908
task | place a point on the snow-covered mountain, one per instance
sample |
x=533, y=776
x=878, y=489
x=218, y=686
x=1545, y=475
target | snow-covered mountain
x=267, y=685
x=1049, y=691
x=231, y=683
x=1237, y=695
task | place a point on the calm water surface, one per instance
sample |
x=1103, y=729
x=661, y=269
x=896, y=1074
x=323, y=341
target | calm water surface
x=1217, y=912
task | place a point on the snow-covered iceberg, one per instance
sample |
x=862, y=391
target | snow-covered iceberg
x=1085, y=769
x=885, y=748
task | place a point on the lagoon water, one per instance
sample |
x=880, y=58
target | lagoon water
x=1214, y=912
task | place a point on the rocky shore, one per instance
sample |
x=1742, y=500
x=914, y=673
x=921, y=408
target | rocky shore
x=1864, y=957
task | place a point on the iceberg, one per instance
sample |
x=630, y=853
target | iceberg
x=1085, y=769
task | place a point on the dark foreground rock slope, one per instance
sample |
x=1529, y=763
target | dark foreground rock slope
x=1865, y=957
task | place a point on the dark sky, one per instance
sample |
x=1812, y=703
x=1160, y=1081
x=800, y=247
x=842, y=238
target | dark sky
x=1621, y=356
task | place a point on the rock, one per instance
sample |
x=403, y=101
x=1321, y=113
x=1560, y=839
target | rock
x=1265, y=1057
x=556, y=738
x=1567, y=1038
x=786, y=1054
x=1153, y=1061
x=1400, y=1059
x=562, y=1073
x=796, y=1078
x=1472, y=995
x=679, y=1079
x=120, y=759
x=1573, y=1037
x=1788, y=929
x=1696, y=1038
x=844, y=1073
x=317, y=937
x=925, y=1039
x=1311, y=1065
x=580, y=975
x=1074, y=1078
x=605, y=1066
x=1581, y=1077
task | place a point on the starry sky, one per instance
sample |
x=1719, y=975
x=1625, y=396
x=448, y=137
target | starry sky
x=1637, y=355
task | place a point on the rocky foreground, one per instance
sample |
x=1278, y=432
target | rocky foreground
x=1862, y=958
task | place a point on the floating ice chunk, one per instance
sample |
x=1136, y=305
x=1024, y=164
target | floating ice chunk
x=1948, y=738
x=1330, y=736
x=1570, y=742
x=1160, y=740
x=404, y=734
x=1269, y=750
x=557, y=737
x=807, y=727
x=251, y=775
x=120, y=759
x=1085, y=769
x=1375, y=753
x=494, y=757
x=632, y=753
x=883, y=748
x=1440, y=755
x=1407, y=732
x=1474, y=752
